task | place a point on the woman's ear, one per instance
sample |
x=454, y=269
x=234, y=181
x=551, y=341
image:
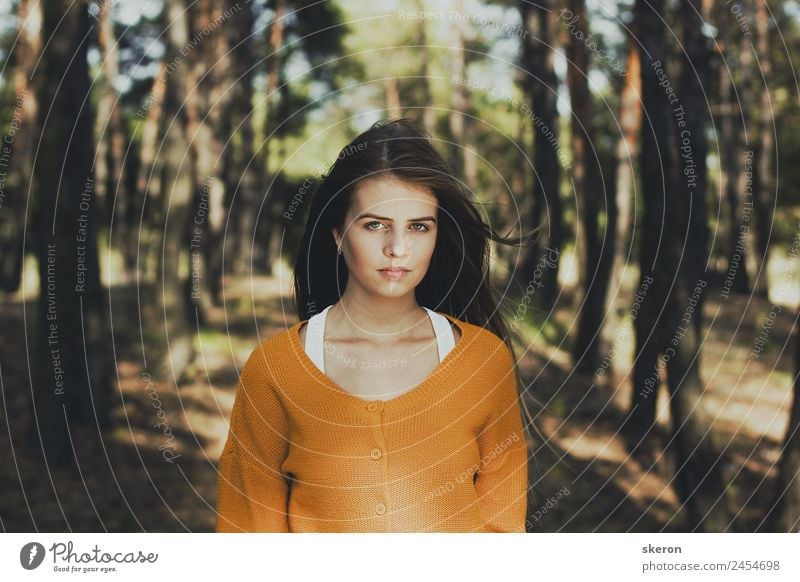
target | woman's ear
x=336, y=236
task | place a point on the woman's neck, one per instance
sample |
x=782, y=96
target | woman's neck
x=377, y=319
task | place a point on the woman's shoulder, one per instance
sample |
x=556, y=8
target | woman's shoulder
x=268, y=370
x=481, y=341
x=275, y=347
x=481, y=336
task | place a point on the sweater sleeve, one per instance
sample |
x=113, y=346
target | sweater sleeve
x=501, y=481
x=252, y=494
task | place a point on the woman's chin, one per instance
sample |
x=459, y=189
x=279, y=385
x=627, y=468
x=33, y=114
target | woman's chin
x=392, y=288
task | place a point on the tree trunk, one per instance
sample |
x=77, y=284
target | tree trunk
x=462, y=149
x=111, y=194
x=764, y=184
x=171, y=304
x=268, y=215
x=784, y=515
x=736, y=278
x=745, y=146
x=393, y=108
x=630, y=116
x=205, y=103
x=16, y=158
x=145, y=249
x=127, y=216
x=428, y=114
x=595, y=253
x=242, y=173
x=699, y=480
x=74, y=383
x=541, y=87
x=655, y=270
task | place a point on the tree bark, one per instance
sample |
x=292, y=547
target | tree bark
x=596, y=253
x=630, y=116
x=16, y=158
x=462, y=149
x=74, y=383
x=655, y=270
x=784, y=515
x=112, y=196
x=171, y=304
x=541, y=88
x=269, y=247
x=737, y=279
x=699, y=480
x=764, y=184
x=428, y=114
x=148, y=181
x=393, y=108
x=206, y=100
x=242, y=172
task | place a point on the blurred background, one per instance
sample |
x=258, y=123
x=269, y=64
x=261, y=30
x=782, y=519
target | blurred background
x=157, y=158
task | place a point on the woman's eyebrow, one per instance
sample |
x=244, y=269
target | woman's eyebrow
x=369, y=215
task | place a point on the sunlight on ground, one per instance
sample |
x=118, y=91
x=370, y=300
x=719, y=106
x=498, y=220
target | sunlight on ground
x=155, y=411
x=591, y=445
x=612, y=461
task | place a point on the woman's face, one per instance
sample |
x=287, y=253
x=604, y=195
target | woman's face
x=390, y=224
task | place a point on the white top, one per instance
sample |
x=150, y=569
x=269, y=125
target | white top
x=315, y=334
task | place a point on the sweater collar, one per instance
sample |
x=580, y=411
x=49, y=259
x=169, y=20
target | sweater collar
x=405, y=400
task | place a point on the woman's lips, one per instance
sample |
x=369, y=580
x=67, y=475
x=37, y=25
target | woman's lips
x=393, y=274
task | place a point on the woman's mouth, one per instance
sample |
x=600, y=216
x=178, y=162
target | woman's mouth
x=394, y=274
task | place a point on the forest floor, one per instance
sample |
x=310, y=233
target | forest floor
x=122, y=482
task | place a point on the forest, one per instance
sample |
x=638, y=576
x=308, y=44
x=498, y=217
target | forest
x=157, y=158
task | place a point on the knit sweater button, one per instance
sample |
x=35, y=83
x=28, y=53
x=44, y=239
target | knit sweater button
x=376, y=454
x=380, y=508
x=372, y=406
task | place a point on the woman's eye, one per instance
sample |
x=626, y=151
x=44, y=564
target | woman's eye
x=422, y=227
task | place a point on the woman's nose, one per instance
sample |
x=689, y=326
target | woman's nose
x=398, y=245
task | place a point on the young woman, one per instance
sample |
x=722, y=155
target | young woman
x=393, y=404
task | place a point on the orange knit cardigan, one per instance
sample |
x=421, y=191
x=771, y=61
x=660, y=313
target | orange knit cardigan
x=305, y=455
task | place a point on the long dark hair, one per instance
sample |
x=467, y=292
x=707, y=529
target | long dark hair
x=457, y=281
